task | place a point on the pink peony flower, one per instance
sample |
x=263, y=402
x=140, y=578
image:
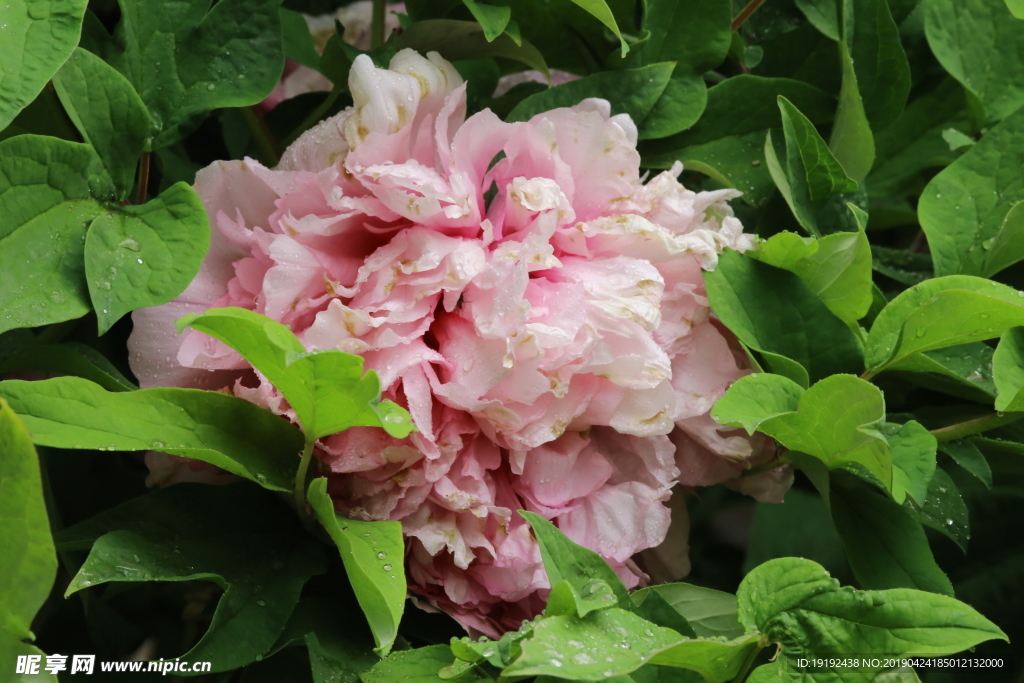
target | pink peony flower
x=538, y=309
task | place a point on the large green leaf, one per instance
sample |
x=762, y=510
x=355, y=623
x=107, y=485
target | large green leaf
x=883, y=72
x=630, y=91
x=456, y=40
x=1008, y=370
x=968, y=455
x=710, y=613
x=50, y=191
x=373, y=554
x=944, y=509
x=851, y=141
x=414, y=666
x=64, y=234
x=836, y=267
x=186, y=58
x=602, y=644
x=796, y=603
x=940, y=313
x=38, y=36
x=838, y=420
x=145, y=255
x=696, y=36
x=773, y=311
x=913, y=450
x=811, y=175
x=238, y=536
x=800, y=526
x=742, y=105
x=226, y=431
x=107, y=112
x=884, y=542
x=736, y=161
x=28, y=564
x=20, y=351
x=913, y=144
x=600, y=10
x=981, y=45
x=967, y=210
x=584, y=570
x=327, y=389
x=493, y=20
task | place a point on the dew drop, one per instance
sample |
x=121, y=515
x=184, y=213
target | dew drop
x=261, y=603
x=135, y=557
x=387, y=567
x=211, y=86
x=381, y=555
x=582, y=658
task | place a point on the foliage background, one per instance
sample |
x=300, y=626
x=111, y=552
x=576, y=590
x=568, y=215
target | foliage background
x=918, y=100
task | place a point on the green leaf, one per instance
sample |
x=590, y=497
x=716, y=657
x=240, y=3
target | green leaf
x=913, y=449
x=657, y=610
x=185, y=61
x=603, y=644
x=798, y=527
x=145, y=255
x=22, y=353
x=940, y=313
x=794, y=602
x=584, y=570
x=711, y=613
x=1016, y=8
x=734, y=161
x=107, y=112
x=337, y=654
x=883, y=72
x=968, y=456
x=913, y=145
x=297, y=40
x=493, y=19
x=836, y=267
x=851, y=142
x=696, y=36
x=38, y=36
x=964, y=371
x=48, y=197
x=772, y=310
x=456, y=40
x=373, y=554
x=229, y=432
x=238, y=536
x=741, y=105
x=413, y=666
x=327, y=389
x=903, y=266
x=944, y=509
x=752, y=400
x=680, y=106
x=837, y=420
x=969, y=210
x=716, y=661
x=823, y=15
x=885, y=544
x=599, y=10
x=28, y=564
x=981, y=45
x=631, y=91
x=1008, y=370
x=811, y=175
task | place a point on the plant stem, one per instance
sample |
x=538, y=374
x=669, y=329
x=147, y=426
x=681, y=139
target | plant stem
x=300, y=480
x=745, y=13
x=143, y=178
x=962, y=430
x=264, y=140
x=377, y=27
